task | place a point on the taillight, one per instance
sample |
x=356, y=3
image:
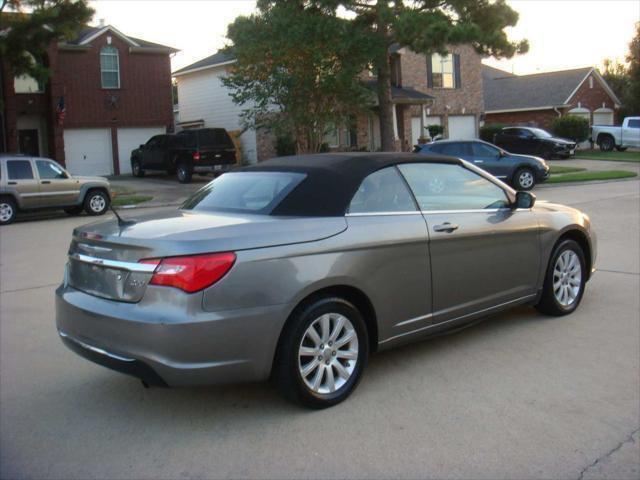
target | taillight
x=196, y=156
x=191, y=273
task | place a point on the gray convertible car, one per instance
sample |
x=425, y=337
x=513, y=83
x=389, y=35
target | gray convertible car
x=298, y=268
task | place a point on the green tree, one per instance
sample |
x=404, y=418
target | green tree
x=27, y=28
x=426, y=26
x=624, y=79
x=296, y=71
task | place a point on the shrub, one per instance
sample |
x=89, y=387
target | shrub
x=435, y=130
x=489, y=131
x=572, y=127
x=285, y=145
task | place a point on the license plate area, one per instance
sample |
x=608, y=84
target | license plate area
x=107, y=282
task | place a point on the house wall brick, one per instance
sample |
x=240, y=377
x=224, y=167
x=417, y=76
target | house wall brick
x=592, y=98
x=532, y=118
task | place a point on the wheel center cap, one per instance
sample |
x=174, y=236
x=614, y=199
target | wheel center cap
x=326, y=354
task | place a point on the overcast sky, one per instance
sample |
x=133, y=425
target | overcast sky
x=562, y=33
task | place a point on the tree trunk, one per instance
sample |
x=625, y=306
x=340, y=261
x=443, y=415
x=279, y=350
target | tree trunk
x=387, y=136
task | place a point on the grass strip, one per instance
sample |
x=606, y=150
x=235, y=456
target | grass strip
x=588, y=176
x=126, y=200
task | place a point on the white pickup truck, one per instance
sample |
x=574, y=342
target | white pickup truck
x=608, y=137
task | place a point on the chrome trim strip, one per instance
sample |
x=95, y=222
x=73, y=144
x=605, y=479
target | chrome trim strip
x=103, y=262
x=517, y=300
x=375, y=214
x=477, y=210
x=416, y=319
x=95, y=349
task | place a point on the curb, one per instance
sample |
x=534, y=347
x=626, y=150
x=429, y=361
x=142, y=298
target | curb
x=588, y=182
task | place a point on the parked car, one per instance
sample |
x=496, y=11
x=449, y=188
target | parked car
x=298, y=268
x=202, y=150
x=520, y=171
x=534, y=141
x=608, y=137
x=33, y=183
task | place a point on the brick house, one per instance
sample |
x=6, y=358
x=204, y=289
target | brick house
x=116, y=93
x=444, y=90
x=538, y=99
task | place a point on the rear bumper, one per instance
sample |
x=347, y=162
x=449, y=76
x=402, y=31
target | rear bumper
x=214, y=168
x=170, y=345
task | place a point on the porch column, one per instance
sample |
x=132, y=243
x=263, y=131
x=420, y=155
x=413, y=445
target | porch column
x=395, y=123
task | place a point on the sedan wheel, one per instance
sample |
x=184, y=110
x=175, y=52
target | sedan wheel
x=525, y=179
x=322, y=353
x=565, y=280
x=328, y=353
x=7, y=211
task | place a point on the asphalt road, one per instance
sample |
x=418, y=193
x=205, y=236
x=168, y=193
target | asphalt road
x=518, y=396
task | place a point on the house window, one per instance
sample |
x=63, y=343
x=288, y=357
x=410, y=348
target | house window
x=590, y=82
x=332, y=136
x=442, y=73
x=26, y=83
x=109, y=67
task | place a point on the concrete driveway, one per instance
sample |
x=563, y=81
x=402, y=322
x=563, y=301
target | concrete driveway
x=519, y=396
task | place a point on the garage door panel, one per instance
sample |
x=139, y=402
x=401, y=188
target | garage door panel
x=462, y=127
x=87, y=151
x=131, y=138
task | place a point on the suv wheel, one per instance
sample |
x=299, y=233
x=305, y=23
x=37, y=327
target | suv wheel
x=136, y=168
x=96, y=202
x=322, y=353
x=8, y=210
x=564, y=281
x=524, y=179
x=184, y=173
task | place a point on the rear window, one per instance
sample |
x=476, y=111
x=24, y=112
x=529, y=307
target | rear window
x=245, y=192
x=19, y=170
x=214, y=137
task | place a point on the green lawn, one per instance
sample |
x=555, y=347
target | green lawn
x=586, y=176
x=556, y=169
x=124, y=200
x=608, y=156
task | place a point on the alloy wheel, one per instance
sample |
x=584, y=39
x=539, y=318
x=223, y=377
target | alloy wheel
x=526, y=180
x=328, y=353
x=6, y=212
x=97, y=203
x=567, y=278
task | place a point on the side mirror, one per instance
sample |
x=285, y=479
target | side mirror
x=524, y=200
x=502, y=154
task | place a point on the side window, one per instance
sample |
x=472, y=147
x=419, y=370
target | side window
x=382, y=191
x=19, y=170
x=457, y=149
x=482, y=150
x=109, y=67
x=440, y=186
x=154, y=141
x=511, y=132
x=49, y=170
x=634, y=123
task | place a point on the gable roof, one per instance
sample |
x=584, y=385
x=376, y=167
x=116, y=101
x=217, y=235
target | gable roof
x=537, y=91
x=219, y=58
x=87, y=34
x=491, y=73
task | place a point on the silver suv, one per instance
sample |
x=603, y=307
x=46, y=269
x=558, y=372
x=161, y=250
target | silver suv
x=32, y=183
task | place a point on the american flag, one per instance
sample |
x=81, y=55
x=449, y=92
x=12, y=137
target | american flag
x=61, y=111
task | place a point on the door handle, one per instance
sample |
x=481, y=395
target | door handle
x=45, y=182
x=478, y=161
x=12, y=183
x=446, y=227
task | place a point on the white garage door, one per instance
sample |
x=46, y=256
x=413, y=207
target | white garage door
x=462, y=127
x=602, y=118
x=87, y=151
x=130, y=139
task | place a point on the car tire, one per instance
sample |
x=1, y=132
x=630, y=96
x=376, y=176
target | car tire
x=183, y=172
x=73, y=210
x=136, y=168
x=326, y=375
x=564, y=281
x=8, y=210
x=96, y=202
x=524, y=179
x=606, y=143
x=621, y=149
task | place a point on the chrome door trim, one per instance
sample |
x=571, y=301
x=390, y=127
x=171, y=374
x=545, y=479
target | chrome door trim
x=415, y=319
x=375, y=214
x=103, y=262
x=488, y=309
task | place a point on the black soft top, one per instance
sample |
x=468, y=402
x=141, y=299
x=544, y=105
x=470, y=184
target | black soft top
x=332, y=179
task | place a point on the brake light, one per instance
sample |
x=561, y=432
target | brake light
x=196, y=156
x=191, y=273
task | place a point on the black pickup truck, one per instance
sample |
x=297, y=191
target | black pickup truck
x=202, y=150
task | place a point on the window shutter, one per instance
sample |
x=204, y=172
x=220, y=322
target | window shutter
x=456, y=70
x=429, y=71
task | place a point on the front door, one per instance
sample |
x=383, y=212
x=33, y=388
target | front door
x=483, y=253
x=21, y=179
x=29, y=142
x=57, y=188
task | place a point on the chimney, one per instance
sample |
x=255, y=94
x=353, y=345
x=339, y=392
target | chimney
x=101, y=22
